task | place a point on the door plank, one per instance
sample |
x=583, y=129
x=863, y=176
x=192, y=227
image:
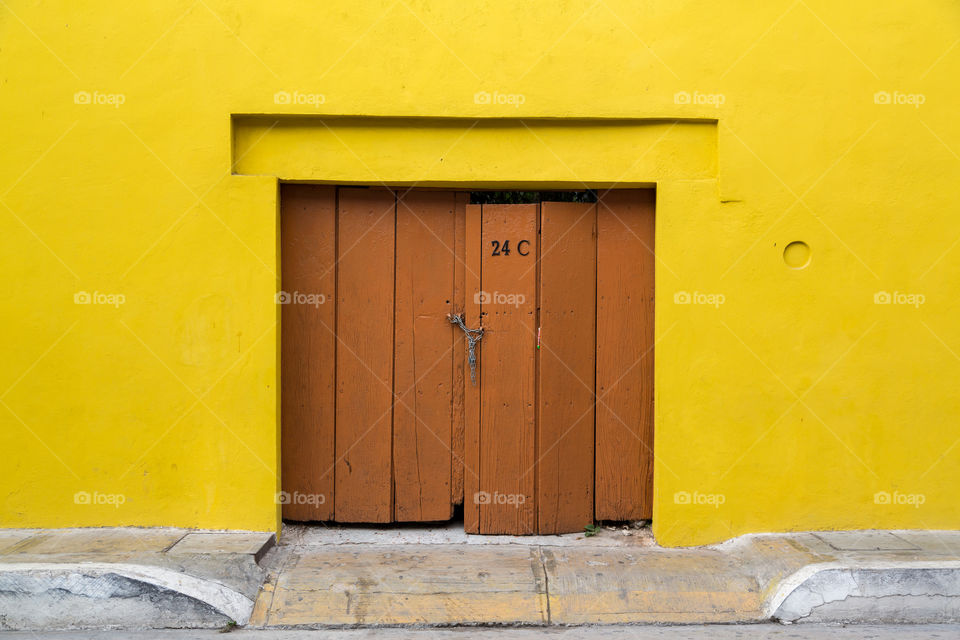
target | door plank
x=565, y=420
x=424, y=360
x=459, y=346
x=625, y=336
x=307, y=350
x=508, y=399
x=365, y=315
x=471, y=396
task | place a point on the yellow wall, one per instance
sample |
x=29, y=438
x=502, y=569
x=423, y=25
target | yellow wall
x=786, y=407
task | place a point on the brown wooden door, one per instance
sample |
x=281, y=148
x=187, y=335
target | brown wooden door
x=381, y=420
x=371, y=371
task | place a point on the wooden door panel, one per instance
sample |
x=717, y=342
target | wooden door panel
x=565, y=420
x=365, y=312
x=508, y=396
x=471, y=395
x=307, y=350
x=460, y=366
x=625, y=335
x=424, y=356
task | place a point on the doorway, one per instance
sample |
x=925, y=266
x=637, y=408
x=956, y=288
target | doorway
x=544, y=426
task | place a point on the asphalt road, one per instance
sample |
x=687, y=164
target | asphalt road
x=611, y=632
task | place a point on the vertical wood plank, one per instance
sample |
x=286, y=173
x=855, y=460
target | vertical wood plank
x=625, y=335
x=307, y=349
x=471, y=399
x=459, y=345
x=565, y=429
x=508, y=395
x=424, y=360
x=365, y=316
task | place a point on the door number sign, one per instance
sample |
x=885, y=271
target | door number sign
x=523, y=248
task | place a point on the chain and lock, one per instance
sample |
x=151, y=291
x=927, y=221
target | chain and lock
x=473, y=337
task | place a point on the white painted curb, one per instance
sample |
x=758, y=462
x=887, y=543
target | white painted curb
x=230, y=603
x=792, y=582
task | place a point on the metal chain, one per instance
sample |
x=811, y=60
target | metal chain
x=473, y=337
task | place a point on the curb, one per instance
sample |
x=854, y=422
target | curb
x=849, y=591
x=230, y=603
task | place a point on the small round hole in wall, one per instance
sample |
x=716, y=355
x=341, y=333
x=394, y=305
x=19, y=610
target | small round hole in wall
x=797, y=255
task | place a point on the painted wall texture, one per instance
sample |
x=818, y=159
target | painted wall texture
x=815, y=389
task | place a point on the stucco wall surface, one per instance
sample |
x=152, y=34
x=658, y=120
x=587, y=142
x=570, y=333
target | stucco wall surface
x=138, y=234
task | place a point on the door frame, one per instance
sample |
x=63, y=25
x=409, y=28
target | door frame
x=676, y=155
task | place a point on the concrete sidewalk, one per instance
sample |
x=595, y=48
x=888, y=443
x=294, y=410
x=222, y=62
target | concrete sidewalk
x=128, y=578
x=327, y=578
x=358, y=576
